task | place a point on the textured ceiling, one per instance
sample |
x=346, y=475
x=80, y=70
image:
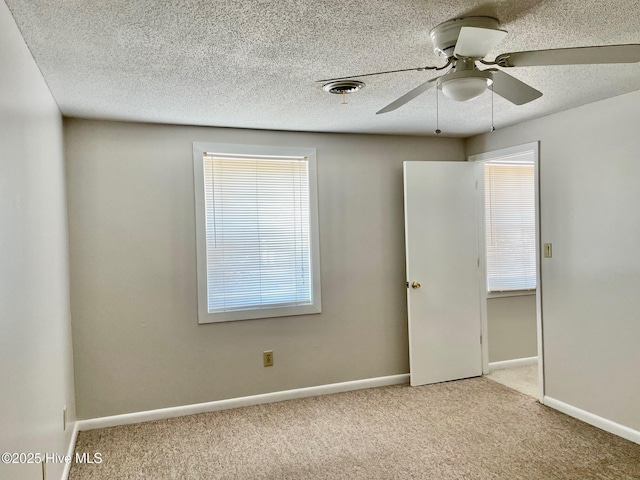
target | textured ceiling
x=252, y=63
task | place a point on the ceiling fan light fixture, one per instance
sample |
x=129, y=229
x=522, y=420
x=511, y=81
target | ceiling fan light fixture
x=465, y=85
x=465, y=89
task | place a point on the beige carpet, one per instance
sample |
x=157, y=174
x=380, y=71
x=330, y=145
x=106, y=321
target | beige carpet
x=523, y=379
x=469, y=429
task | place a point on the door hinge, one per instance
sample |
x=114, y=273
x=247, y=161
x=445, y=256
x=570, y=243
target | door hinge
x=407, y=284
x=476, y=184
x=478, y=261
x=480, y=339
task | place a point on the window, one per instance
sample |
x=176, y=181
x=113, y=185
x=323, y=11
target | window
x=510, y=223
x=257, y=232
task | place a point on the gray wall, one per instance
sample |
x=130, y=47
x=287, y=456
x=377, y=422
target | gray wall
x=36, y=376
x=512, y=327
x=589, y=173
x=137, y=342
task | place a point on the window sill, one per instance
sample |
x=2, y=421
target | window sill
x=233, y=316
x=513, y=293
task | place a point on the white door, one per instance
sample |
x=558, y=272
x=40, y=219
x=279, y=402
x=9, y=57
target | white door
x=442, y=271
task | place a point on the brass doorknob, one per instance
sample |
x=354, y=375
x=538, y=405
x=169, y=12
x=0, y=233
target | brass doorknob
x=415, y=285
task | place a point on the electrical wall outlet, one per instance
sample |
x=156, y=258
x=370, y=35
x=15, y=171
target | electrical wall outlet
x=267, y=358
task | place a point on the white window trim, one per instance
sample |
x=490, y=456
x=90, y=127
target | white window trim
x=199, y=150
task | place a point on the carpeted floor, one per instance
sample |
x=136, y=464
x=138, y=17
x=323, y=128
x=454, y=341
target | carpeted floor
x=469, y=429
x=523, y=379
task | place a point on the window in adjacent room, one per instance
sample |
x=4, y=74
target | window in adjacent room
x=257, y=232
x=510, y=223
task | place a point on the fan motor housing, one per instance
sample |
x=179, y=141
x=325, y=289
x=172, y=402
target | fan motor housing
x=445, y=35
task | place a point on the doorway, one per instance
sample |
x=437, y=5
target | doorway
x=509, y=254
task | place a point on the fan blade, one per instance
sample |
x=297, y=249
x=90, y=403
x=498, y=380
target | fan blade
x=474, y=42
x=512, y=89
x=418, y=69
x=629, y=53
x=407, y=97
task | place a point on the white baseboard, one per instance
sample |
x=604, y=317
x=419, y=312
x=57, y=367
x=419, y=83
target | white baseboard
x=70, y=450
x=518, y=362
x=592, y=419
x=162, y=413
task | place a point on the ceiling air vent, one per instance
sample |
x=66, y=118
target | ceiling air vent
x=340, y=87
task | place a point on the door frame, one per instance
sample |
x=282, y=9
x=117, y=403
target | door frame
x=480, y=159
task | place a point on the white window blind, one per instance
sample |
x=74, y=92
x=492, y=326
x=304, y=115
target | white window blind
x=258, y=252
x=510, y=225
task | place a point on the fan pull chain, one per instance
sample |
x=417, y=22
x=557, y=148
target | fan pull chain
x=344, y=98
x=493, y=128
x=437, y=131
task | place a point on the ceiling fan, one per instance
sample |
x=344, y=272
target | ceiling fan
x=464, y=42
